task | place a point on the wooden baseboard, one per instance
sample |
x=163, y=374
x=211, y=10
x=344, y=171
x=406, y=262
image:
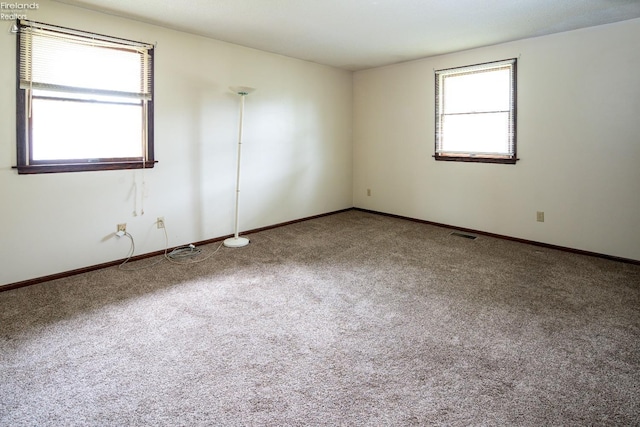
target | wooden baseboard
x=70, y=273
x=514, y=239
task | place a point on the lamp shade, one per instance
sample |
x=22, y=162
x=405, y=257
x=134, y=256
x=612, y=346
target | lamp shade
x=242, y=90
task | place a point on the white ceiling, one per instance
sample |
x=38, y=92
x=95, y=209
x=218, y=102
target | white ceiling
x=360, y=34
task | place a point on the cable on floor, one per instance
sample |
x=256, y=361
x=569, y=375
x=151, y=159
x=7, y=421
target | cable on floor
x=179, y=255
x=186, y=252
x=132, y=250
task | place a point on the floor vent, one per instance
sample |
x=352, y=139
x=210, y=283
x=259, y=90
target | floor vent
x=466, y=236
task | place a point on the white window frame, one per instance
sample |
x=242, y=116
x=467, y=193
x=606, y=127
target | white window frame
x=448, y=152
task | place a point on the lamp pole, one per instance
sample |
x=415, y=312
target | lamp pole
x=236, y=241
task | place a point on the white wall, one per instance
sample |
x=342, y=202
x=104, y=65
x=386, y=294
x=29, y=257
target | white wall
x=578, y=141
x=297, y=153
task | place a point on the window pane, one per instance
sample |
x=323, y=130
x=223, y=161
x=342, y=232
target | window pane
x=477, y=92
x=476, y=133
x=85, y=130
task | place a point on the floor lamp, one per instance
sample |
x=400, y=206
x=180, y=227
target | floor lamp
x=235, y=241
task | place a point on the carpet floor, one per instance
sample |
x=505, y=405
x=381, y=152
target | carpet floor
x=352, y=319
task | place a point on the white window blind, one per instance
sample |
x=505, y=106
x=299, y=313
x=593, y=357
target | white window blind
x=61, y=60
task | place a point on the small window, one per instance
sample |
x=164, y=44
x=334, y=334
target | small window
x=476, y=113
x=84, y=101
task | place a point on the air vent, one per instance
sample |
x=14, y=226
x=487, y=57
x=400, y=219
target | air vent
x=465, y=235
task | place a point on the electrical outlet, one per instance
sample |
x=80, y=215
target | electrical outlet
x=540, y=216
x=122, y=227
x=160, y=222
x=368, y=191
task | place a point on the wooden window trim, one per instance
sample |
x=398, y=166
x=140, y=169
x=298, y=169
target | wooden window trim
x=25, y=166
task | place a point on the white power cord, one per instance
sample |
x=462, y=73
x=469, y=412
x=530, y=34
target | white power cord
x=175, y=256
x=185, y=252
x=133, y=248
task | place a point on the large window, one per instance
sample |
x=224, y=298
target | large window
x=476, y=113
x=84, y=101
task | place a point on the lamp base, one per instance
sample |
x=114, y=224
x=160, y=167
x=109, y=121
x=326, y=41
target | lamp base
x=236, y=242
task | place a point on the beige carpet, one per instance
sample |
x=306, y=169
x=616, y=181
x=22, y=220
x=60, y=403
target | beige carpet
x=351, y=319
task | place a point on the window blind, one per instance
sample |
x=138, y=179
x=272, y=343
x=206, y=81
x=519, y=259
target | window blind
x=56, y=59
